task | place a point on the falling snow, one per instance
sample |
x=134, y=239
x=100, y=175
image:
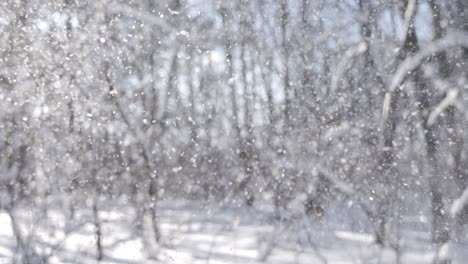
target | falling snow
x=233, y=131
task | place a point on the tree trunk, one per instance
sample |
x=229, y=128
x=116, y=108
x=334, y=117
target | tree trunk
x=153, y=192
x=285, y=57
x=97, y=231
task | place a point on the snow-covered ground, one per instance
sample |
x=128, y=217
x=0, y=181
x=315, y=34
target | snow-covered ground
x=195, y=232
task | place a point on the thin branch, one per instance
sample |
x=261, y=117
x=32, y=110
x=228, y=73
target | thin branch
x=444, y=104
x=459, y=204
x=150, y=18
x=452, y=40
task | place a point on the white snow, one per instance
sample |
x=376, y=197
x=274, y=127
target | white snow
x=459, y=203
x=225, y=235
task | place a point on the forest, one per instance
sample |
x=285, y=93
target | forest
x=233, y=131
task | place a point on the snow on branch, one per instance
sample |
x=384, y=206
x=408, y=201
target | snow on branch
x=440, y=108
x=409, y=16
x=459, y=203
x=346, y=62
x=338, y=184
x=452, y=40
x=149, y=18
x=386, y=107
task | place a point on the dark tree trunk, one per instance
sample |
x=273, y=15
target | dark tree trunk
x=153, y=192
x=97, y=232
